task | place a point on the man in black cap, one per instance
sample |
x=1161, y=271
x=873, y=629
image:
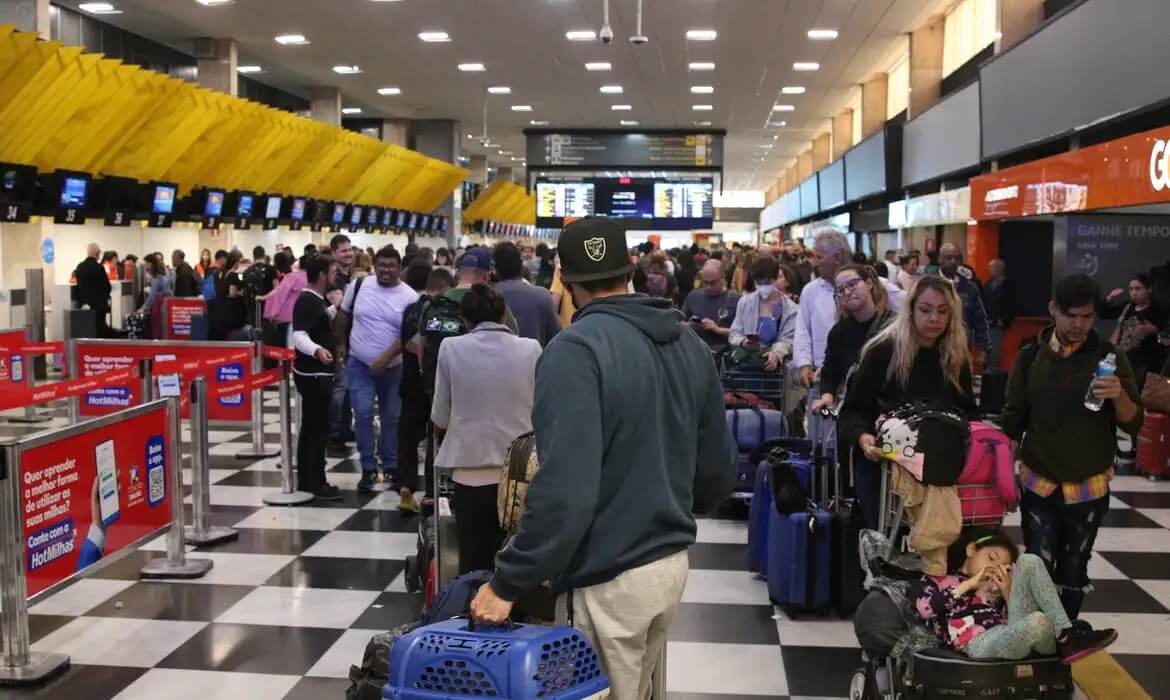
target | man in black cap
x=632, y=440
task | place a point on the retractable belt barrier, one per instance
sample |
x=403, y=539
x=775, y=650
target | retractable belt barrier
x=17, y=367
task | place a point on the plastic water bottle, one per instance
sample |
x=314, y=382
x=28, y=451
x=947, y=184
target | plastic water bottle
x=1107, y=367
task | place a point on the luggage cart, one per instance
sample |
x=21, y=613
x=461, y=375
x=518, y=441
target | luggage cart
x=769, y=386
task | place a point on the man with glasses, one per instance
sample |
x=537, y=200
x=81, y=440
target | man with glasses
x=974, y=315
x=711, y=309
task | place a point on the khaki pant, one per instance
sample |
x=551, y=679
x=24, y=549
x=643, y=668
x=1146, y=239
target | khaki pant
x=627, y=620
x=936, y=518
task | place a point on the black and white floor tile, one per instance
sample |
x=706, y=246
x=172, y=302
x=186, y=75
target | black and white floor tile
x=290, y=605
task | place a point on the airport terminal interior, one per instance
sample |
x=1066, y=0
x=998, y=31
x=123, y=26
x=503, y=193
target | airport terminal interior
x=202, y=483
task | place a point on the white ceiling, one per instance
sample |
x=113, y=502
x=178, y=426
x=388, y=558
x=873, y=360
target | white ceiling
x=522, y=44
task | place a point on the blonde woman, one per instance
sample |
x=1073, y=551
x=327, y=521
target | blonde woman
x=921, y=356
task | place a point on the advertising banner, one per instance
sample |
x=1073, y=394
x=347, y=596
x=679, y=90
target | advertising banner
x=96, y=357
x=12, y=364
x=1111, y=249
x=85, y=496
x=177, y=313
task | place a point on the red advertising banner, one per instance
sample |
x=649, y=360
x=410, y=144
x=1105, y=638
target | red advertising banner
x=85, y=496
x=96, y=357
x=178, y=312
x=12, y=361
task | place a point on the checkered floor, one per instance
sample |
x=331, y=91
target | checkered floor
x=288, y=607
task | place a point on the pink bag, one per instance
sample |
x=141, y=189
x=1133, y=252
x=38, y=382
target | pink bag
x=987, y=486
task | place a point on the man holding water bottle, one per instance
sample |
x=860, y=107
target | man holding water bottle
x=1067, y=395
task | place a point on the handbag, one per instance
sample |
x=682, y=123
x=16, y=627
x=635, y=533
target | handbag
x=1156, y=393
x=787, y=493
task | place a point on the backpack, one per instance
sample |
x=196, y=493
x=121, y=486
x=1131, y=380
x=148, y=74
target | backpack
x=926, y=439
x=258, y=279
x=440, y=320
x=989, y=461
x=520, y=465
x=209, y=285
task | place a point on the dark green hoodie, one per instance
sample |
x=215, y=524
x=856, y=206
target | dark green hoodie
x=632, y=440
x=1044, y=405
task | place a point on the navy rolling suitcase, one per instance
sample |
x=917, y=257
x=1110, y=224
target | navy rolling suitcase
x=800, y=559
x=751, y=428
x=797, y=455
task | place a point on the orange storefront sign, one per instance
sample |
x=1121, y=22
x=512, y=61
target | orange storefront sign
x=1126, y=172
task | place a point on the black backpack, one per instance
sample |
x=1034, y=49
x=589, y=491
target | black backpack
x=259, y=279
x=440, y=320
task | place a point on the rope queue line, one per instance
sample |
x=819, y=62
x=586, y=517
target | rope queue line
x=76, y=498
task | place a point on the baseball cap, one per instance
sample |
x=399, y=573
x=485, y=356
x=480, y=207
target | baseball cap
x=476, y=258
x=593, y=248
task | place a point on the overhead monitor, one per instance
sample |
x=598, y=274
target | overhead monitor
x=564, y=199
x=298, y=209
x=625, y=198
x=373, y=214
x=18, y=186
x=387, y=218
x=425, y=224
x=74, y=192
x=338, y=213
x=272, y=207
x=413, y=222
x=402, y=215
x=355, y=216
x=245, y=205
x=164, y=199
x=213, y=205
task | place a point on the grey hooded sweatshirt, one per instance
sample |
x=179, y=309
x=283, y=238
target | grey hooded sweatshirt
x=632, y=440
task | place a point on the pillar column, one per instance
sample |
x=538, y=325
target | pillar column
x=325, y=105
x=479, y=165
x=504, y=172
x=842, y=133
x=804, y=165
x=874, y=100
x=27, y=15
x=821, y=151
x=792, y=177
x=396, y=131
x=926, y=64
x=439, y=138
x=1016, y=19
x=216, y=63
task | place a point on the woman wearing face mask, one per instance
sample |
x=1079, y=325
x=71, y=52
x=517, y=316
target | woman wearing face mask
x=863, y=311
x=765, y=320
x=921, y=357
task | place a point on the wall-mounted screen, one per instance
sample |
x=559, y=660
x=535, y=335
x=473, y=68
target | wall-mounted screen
x=272, y=207
x=372, y=216
x=563, y=199
x=338, y=213
x=213, y=207
x=298, y=209
x=643, y=202
x=74, y=192
x=402, y=214
x=246, y=204
x=683, y=200
x=164, y=199
x=387, y=218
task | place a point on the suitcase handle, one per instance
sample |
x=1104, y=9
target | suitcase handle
x=472, y=625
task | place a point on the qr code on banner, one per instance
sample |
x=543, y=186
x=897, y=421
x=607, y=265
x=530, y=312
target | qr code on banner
x=158, y=488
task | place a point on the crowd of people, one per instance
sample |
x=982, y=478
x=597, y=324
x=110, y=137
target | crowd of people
x=605, y=352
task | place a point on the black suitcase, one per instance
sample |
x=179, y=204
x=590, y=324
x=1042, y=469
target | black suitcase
x=939, y=674
x=992, y=390
x=848, y=576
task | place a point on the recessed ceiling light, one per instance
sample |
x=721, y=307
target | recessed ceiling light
x=249, y=69
x=347, y=70
x=702, y=89
x=598, y=66
x=822, y=34
x=702, y=34
x=766, y=146
x=386, y=91
x=499, y=90
x=471, y=67
x=434, y=37
x=792, y=90
x=581, y=35
x=629, y=122
x=537, y=122
x=292, y=39
x=778, y=125
x=213, y=3
x=351, y=110
x=621, y=108
x=471, y=136
x=521, y=108
x=611, y=89
x=703, y=123
x=806, y=66
x=702, y=108
x=514, y=158
x=783, y=108
x=701, y=65
x=99, y=8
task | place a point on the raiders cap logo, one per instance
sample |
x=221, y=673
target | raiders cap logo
x=595, y=248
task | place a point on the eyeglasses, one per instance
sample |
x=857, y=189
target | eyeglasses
x=849, y=288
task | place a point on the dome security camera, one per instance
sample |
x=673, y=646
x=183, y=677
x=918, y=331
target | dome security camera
x=606, y=34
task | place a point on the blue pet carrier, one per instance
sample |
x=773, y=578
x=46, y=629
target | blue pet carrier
x=450, y=659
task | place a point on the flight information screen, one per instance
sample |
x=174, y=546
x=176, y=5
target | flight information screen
x=564, y=199
x=683, y=200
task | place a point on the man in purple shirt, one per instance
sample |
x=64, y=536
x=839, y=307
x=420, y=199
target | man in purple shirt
x=369, y=323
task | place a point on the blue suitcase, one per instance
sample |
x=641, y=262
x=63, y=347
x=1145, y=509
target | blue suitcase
x=521, y=662
x=751, y=428
x=800, y=558
x=761, y=505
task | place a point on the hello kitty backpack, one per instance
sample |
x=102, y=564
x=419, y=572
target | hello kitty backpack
x=987, y=485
